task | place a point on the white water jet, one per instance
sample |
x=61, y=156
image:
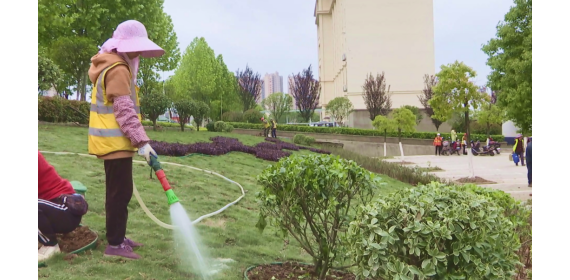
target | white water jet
x=188, y=242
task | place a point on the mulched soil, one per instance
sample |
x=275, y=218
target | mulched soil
x=475, y=180
x=292, y=270
x=77, y=239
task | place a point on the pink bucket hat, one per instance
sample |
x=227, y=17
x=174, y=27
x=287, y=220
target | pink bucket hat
x=131, y=36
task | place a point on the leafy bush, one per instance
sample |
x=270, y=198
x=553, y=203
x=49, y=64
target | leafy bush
x=358, y=131
x=60, y=110
x=164, y=124
x=210, y=127
x=313, y=197
x=252, y=116
x=436, y=231
x=221, y=126
x=232, y=117
x=520, y=214
x=154, y=104
x=302, y=139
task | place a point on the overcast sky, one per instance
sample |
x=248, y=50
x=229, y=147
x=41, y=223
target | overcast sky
x=271, y=35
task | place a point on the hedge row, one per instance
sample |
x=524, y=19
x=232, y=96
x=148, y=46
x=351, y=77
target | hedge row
x=363, y=132
x=163, y=124
x=57, y=109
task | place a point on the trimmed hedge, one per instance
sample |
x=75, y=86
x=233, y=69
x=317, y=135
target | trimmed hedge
x=61, y=110
x=163, y=124
x=363, y=132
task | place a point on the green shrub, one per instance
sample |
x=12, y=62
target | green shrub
x=221, y=126
x=362, y=132
x=210, y=127
x=60, y=110
x=302, y=139
x=232, y=117
x=312, y=197
x=252, y=116
x=436, y=231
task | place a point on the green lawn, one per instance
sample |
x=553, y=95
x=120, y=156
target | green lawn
x=229, y=235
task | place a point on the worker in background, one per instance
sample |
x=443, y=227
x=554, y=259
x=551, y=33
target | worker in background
x=529, y=161
x=266, y=127
x=453, y=135
x=518, y=149
x=273, y=128
x=437, y=142
x=464, y=142
x=60, y=209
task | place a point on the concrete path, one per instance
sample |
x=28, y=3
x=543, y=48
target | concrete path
x=509, y=177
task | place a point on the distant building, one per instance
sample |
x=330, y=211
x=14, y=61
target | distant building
x=358, y=37
x=272, y=83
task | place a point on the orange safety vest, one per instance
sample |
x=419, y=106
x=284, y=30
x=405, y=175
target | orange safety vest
x=437, y=141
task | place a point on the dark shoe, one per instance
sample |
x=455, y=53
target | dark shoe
x=122, y=250
x=132, y=243
x=530, y=185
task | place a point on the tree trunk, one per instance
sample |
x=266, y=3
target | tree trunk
x=154, y=124
x=385, y=135
x=488, y=130
x=182, y=123
x=399, y=135
x=467, y=123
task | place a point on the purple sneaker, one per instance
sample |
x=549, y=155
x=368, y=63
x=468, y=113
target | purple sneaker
x=122, y=250
x=132, y=243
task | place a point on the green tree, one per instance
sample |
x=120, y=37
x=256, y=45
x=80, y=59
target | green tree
x=340, y=108
x=510, y=60
x=226, y=97
x=384, y=124
x=201, y=110
x=490, y=114
x=184, y=108
x=278, y=104
x=48, y=74
x=197, y=74
x=73, y=55
x=416, y=111
x=403, y=120
x=153, y=105
x=455, y=92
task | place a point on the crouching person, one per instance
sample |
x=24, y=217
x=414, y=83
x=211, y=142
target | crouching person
x=59, y=208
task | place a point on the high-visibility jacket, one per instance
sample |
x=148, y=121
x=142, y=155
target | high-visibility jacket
x=274, y=124
x=437, y=141
x=266, y=124
x=105, y=135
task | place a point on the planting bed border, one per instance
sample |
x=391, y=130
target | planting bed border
x=247, y=270
x=91, y=245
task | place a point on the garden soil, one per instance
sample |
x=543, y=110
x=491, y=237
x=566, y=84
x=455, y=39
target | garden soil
x=475, y=180
x=77, y=239
x=291, y=270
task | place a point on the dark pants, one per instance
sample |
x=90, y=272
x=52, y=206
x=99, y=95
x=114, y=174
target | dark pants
x=464, y=152
x=521, y=158
x=438, y=150
x=274, y=132
x=529, y=173
x=53, y=218
x=119, y=188
x=265, y=131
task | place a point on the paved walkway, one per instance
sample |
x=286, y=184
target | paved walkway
x=509, y=177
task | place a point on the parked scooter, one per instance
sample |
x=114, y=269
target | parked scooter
x=446, y=150
x=494, y=145
x=455, y=148
x=476, y=149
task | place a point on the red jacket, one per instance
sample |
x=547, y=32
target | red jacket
x=50, y=184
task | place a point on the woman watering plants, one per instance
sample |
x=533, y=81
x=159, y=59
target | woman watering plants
x=60, y=209
x=115, y=129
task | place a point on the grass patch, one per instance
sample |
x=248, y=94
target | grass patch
x=231, y=234
x=430, y=169
x=396, y=170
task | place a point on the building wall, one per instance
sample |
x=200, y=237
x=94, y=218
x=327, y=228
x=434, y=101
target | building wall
x=391, y=36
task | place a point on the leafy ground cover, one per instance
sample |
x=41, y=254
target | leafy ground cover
x=229, y=235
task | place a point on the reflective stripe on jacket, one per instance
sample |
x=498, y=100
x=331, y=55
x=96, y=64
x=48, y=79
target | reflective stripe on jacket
x=105, y=135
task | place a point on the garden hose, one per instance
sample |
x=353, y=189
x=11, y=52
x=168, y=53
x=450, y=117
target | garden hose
x=143, y=206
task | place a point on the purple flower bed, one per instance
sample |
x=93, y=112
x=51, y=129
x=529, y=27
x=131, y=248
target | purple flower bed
x=223, y=145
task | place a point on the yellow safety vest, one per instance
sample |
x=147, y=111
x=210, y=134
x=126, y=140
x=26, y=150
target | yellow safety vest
x=105, y=135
